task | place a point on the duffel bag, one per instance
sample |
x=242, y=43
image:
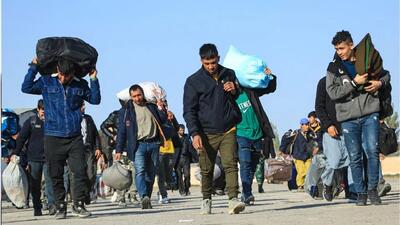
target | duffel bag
x=117, y=176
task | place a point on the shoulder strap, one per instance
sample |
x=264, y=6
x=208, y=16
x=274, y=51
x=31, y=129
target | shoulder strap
x=295, y=133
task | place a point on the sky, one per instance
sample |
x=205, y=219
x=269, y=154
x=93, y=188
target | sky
x=159, y=41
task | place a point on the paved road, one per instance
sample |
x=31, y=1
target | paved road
x=276, y=206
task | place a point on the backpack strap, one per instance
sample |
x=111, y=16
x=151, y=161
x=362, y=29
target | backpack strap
x=294, y=133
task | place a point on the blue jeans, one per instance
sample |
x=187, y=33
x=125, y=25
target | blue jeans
x=249, y=156
x=48, y=188
x=336, y=157
x=358, y=134
x=146, y=163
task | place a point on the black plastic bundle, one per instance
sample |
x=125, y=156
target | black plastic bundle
x=49, y=50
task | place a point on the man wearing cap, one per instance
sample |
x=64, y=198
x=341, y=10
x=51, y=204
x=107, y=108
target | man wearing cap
x=303, y=145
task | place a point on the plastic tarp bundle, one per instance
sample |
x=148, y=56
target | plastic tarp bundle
x=152, y=92
x=117, y=176
x=249, y=69
x=49, y=50
x=197, y=172
x=15, y=183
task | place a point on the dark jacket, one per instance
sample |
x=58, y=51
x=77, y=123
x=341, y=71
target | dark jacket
x=254, y=95
x=92, y=141
x=110, y=128
x=207, y=108
x=325, y=108
x=32, y=134
x=302, y=145
x=184, y=151
x=127, y=132
x=63, y=114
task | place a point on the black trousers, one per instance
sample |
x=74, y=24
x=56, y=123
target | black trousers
x=35, y=183
x=90, y=160
x=183, y=174
x=59, y=150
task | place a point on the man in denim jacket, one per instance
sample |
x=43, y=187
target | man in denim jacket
x=63, y=95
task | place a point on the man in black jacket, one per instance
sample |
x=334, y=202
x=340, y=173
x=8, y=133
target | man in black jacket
x=182, y=158
x=32, y=134
x=211, y=114
x=91, y=140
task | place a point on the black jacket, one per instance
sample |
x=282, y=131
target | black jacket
x=92, y=140
x=207, y=108
x=110, y=128
x=325, y=108
x=184, y=150
x=254, y=95
x=32, y=134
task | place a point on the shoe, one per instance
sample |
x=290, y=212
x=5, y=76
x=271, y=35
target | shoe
x=134, y=200
x=260, y=188
x=188, y=193
x=386, y=189
x=37, y=212
x=328, y=193
x=235, y=206
x=300, y=189
x=163, y=200
x=249, y=200
x=61, y=212
x=219, y=192
x=80, y=210
x=52, y=210
x=352, y=197
x=146, y=203
x=206, y=206
x=122, y=204
x=374, y=197
x=361, y=199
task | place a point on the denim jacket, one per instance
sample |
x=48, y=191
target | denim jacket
x=62, y=103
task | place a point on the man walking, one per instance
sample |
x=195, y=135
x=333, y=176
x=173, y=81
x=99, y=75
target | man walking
x=211, y=114
x=63, y=94
x=141, y=134
x=357, y=109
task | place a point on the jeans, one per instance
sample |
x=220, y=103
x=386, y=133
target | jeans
x=358, y=134
x=336, y=157
x=226, y=144
x=146, y=163
x=48, y=188
x=249, y=156
x=35, y=182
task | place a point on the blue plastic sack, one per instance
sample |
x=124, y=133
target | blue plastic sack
x=249, y=69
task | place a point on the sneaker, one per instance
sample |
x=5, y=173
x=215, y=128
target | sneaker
x=122, y=204
x=219, y=192
x=374, y=197
x=328, y=193
x=187, y=193
x=80, y=210
x=206, y=207
x=361, y=199
x=146, y=203
x=52, y=210
x=163, y=200
x=235, y=206
x=134, y=200
x=37, y=212
x=386, y=189
x=352, y=197
x=61, y=212
x=260, y=188
x=249, y=200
